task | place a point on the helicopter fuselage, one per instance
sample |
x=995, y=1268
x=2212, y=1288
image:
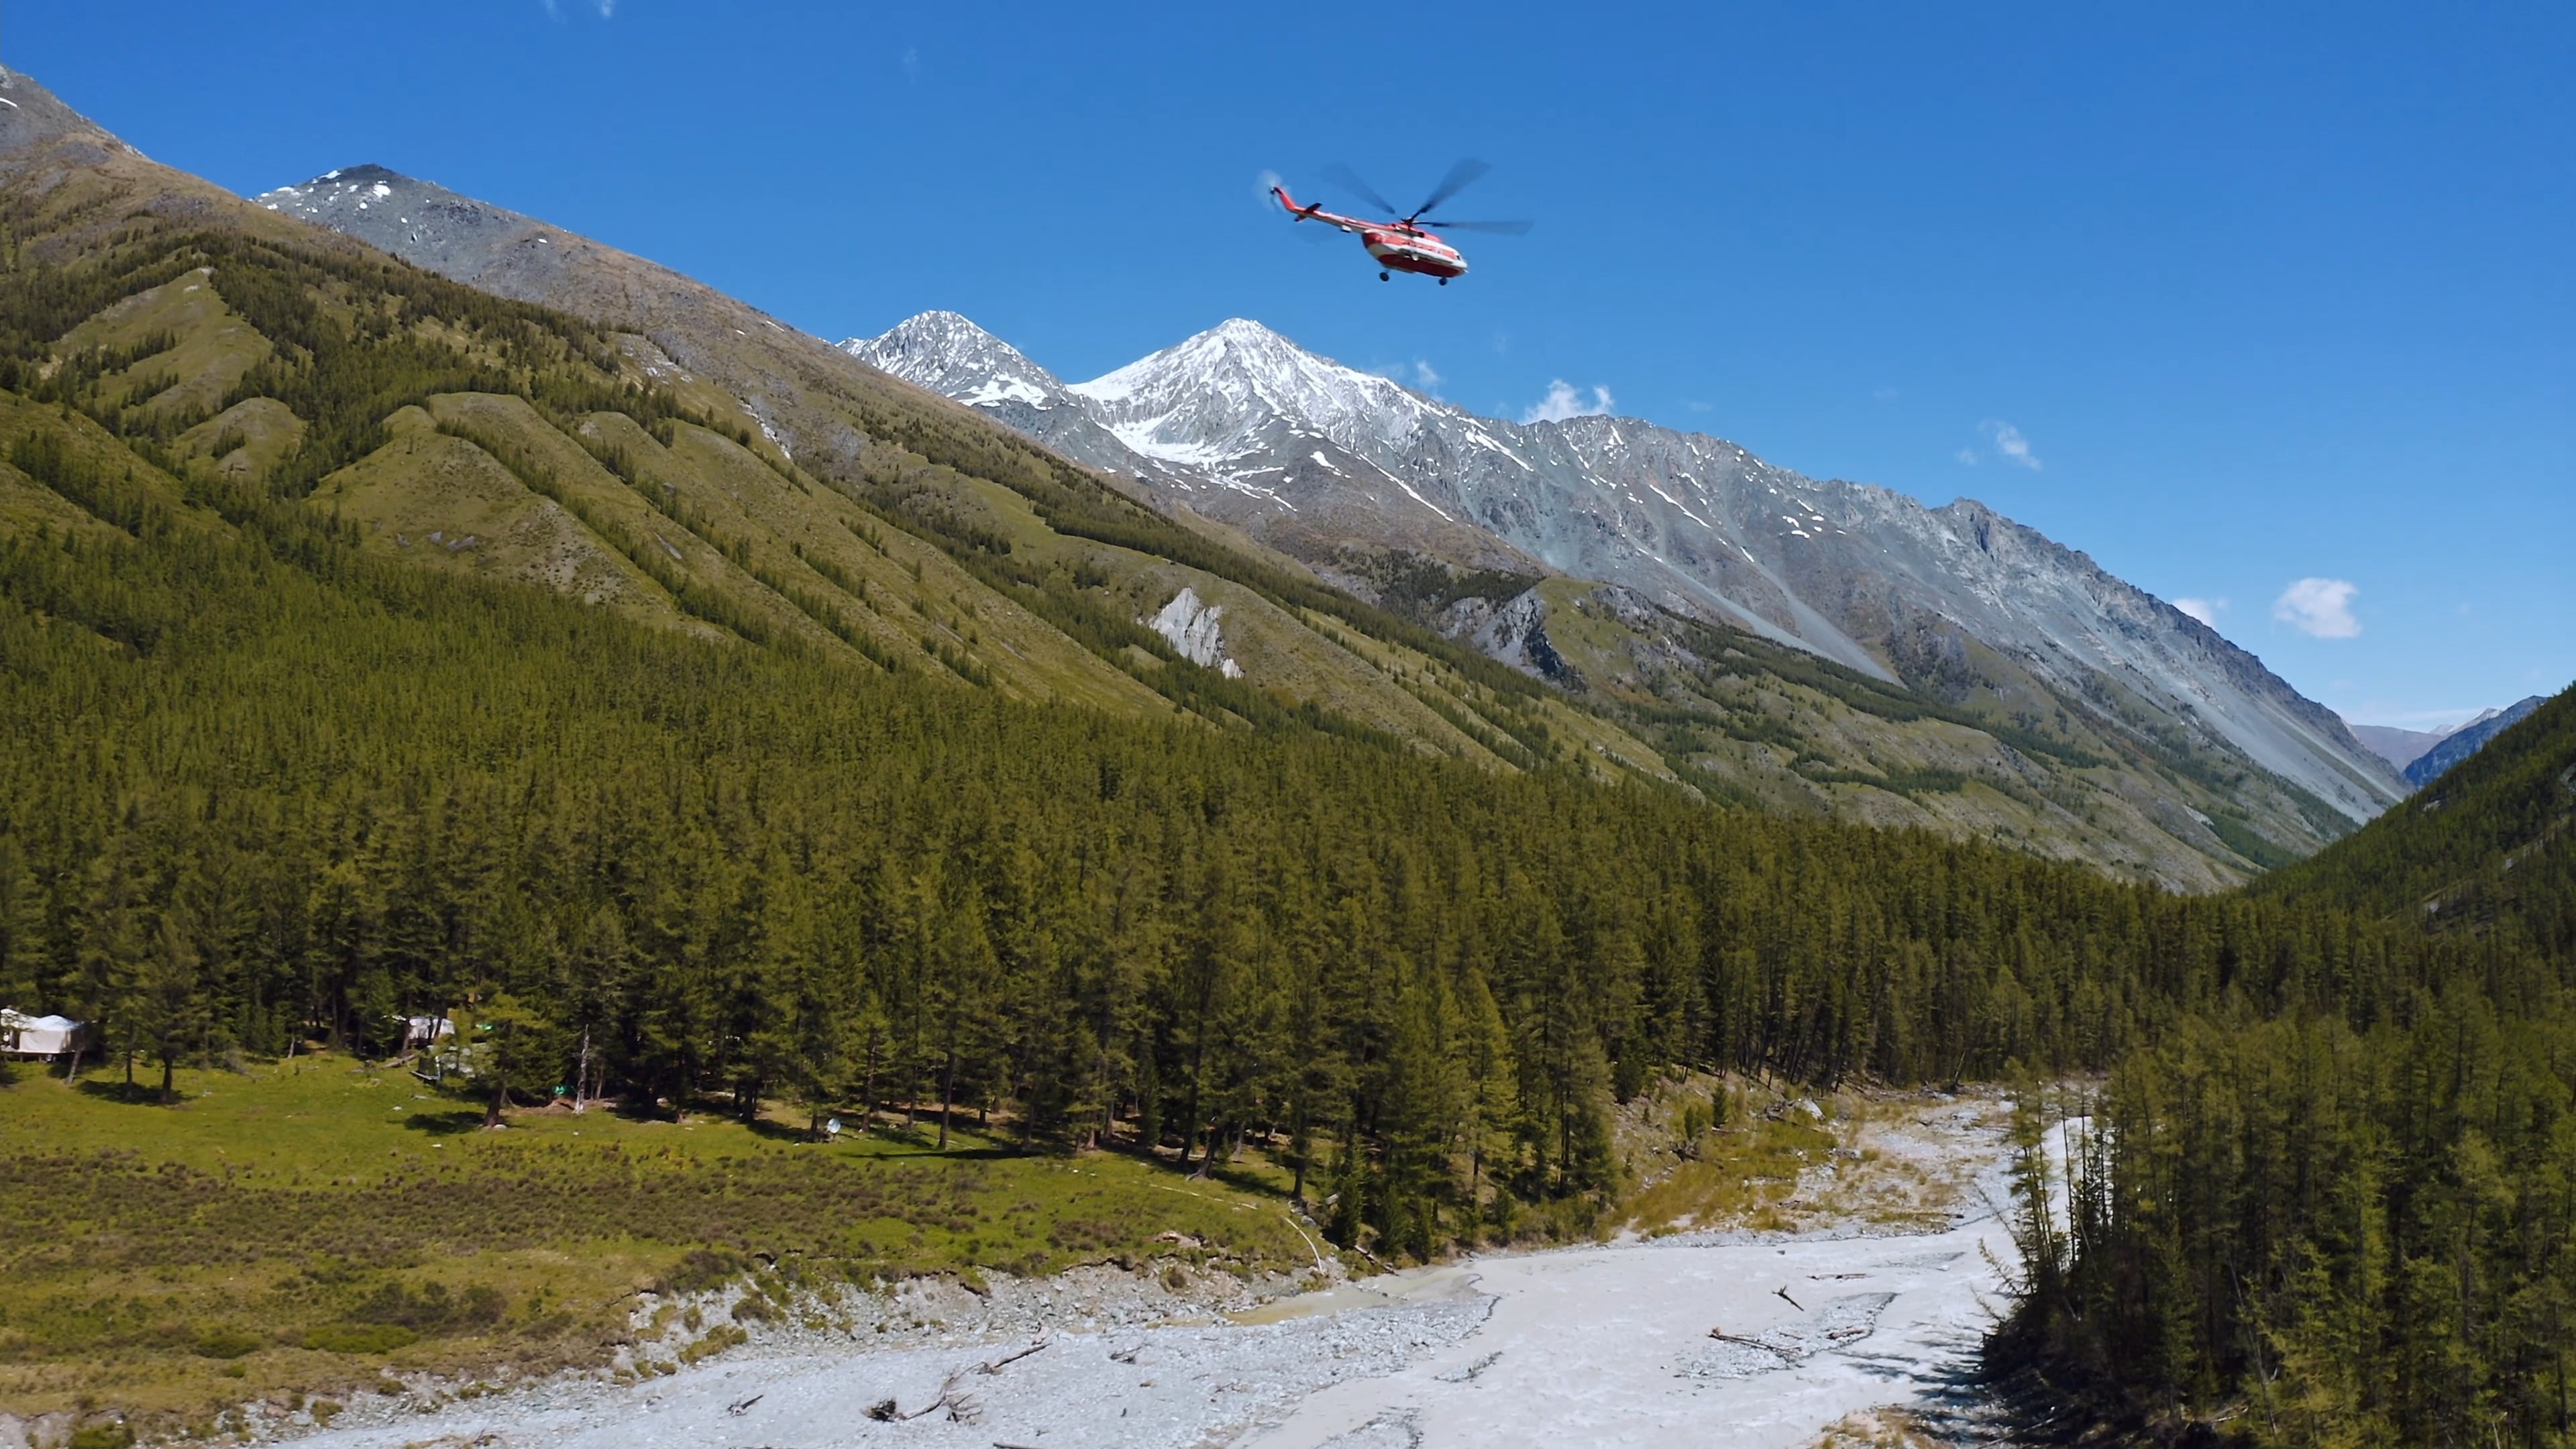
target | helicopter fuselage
x=1412, y=251
x=1395, y=246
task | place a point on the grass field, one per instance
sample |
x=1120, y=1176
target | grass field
x=306, y=1227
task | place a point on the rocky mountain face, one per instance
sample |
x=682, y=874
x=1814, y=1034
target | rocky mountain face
x=1336, y=466
x=2467, y=740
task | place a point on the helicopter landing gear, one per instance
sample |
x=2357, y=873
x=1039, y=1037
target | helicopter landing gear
x=1381, y=276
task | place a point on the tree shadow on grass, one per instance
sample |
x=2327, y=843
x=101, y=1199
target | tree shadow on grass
x=131, y=1094
x=1244, y=1180
x=768, y=1131
x=444, y=1124
x=960, y=1154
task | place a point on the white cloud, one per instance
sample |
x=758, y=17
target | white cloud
x=2205, y=610
x=1565, y=400
x=1885, y=394
x=2319, y=608
x=1419, y=373
x=1967, y=456
x=607, y=9
x=911, y=63
x=2010, y=445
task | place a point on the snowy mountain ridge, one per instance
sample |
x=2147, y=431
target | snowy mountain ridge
x=1326, y=462
x=955, y=358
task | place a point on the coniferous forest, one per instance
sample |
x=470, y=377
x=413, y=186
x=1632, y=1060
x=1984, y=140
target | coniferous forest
x=2341, y=1227
x=298, y=792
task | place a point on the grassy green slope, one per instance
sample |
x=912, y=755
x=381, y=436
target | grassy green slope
x=220, y=344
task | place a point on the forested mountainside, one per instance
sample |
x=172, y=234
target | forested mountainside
x=1973, y=748
x=2486, y=846
x=2322, y=1228
x=284, y=779
x=274, y=782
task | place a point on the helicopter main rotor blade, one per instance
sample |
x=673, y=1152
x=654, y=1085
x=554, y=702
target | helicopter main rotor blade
x=1498, y=228
x=1460, y=177
x=1349, y=180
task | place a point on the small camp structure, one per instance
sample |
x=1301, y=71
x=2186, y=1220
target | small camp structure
x=22, y=1035
x=426, y=1031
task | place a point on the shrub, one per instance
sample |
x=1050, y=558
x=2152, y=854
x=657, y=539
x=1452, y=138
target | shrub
x=359, y=1338
x=702, y=1269
x=225, y=1343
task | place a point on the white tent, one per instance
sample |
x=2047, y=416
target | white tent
x=22, y=1035
x=426, y=1031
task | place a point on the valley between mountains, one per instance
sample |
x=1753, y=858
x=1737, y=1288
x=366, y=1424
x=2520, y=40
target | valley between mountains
x=602, y=859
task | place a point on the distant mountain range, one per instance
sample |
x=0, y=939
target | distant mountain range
x=2424, y=754
x=2467, y=739
x=1340, y=468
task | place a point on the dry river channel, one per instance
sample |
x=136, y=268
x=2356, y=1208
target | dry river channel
x=1761, y=1341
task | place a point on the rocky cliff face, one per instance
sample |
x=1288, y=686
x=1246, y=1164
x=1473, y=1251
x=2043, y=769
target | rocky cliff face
x=1327, y=462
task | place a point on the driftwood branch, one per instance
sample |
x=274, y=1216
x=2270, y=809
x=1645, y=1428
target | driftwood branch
x=997, y=1365
x=946, y=1400
x=962, y=1408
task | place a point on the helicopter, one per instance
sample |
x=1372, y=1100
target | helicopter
x=1408, y=244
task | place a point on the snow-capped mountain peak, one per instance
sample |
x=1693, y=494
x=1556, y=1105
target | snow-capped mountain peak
x=950, y=355
x=1239, y=389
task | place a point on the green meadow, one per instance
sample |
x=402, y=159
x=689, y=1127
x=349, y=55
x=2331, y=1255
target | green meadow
x=311, y=1226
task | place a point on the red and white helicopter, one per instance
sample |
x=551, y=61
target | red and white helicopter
x=1408, y=244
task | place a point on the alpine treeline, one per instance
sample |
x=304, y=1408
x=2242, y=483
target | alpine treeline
x=2327, y=1228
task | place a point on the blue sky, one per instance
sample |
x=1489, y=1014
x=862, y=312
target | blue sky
x=2267, y=307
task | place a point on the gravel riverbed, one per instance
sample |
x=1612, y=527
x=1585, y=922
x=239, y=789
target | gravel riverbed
x=1689, y=1339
